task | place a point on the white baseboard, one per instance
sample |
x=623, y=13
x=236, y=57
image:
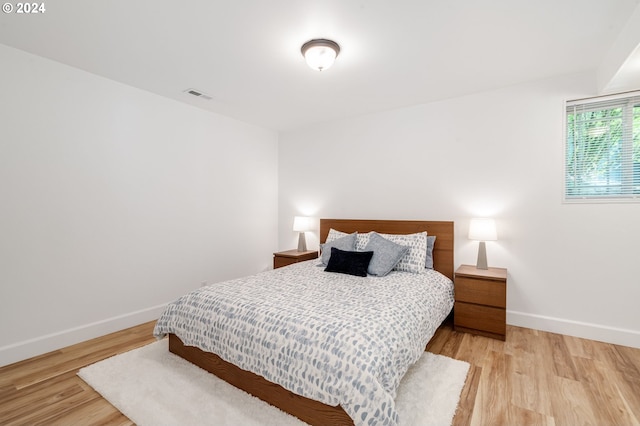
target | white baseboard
x=601, y=333
x=29, y=348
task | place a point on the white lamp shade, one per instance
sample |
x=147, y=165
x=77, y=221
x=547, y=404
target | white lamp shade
x=483, y=230
x=302, y=224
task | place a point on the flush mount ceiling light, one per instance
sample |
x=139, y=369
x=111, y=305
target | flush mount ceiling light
x=320, y=53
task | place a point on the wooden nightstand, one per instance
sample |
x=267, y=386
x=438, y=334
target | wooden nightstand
x=284, y=258
x=481, y=301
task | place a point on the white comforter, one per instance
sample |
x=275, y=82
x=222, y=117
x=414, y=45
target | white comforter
x=335, y=338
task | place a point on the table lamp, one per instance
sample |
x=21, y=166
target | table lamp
x=302, y=224
x=482, y=230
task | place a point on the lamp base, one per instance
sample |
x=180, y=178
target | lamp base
x=481, y=263
x=302, y=242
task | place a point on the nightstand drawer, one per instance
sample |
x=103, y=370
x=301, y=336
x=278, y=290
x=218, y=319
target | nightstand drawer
x=477, y=317
x=481, y=291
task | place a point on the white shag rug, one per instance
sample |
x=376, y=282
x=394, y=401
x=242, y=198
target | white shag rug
x=154, y=387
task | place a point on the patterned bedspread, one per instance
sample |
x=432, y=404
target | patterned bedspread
x=335, y=338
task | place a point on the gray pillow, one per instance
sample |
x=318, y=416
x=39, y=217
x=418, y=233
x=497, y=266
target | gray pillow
x=431, y=239
x=386, y=254
x=347, y=243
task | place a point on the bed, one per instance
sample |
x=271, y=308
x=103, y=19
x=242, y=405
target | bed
x=312, y=385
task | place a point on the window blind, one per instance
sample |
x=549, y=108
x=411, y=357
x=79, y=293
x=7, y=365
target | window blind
x=602, y=151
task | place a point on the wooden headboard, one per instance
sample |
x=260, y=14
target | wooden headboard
x=442, y=249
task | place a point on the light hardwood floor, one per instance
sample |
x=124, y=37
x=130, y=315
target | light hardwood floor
x=539, y=378
x=532, y=378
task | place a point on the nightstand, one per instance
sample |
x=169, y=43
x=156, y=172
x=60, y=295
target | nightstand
x=284, y=258
x=481, y=301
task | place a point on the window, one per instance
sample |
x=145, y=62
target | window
x=602, y=152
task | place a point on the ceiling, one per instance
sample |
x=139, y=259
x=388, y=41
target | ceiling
x=245, y=54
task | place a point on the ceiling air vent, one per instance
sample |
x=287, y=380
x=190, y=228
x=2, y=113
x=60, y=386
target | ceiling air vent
x=198, y=93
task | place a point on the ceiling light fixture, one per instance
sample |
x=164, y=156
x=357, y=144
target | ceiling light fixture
x=320, y=53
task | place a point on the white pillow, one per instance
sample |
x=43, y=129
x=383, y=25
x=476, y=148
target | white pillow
x=416, y=257
x=334, y=235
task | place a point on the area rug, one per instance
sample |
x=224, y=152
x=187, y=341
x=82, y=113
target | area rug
x=154, y=387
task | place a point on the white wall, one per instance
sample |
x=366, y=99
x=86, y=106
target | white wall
x=115, y=201
x=572, y=268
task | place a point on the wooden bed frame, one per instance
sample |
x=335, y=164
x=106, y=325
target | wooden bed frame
x=308, y=410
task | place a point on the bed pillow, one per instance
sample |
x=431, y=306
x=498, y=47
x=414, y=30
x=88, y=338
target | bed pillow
x=431, y=239
x=349, y=262
x=361, y=239
x=334, y=235
x=348, y=243
x=386, y=254
x=416, y=258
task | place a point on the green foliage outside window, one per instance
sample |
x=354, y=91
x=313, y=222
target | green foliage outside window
x=603, y=150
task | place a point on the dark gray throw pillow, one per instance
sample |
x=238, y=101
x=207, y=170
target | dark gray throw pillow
x=347, y=243
x=386, y=254
x=349, y=262
x=431, y=240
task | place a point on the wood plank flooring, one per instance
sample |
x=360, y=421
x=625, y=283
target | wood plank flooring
x=539, y=378
x=45, y=390
x=533, y=378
